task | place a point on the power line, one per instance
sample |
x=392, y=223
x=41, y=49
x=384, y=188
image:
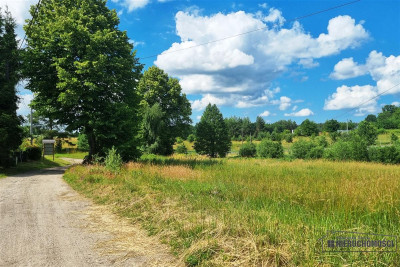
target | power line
x=30, y=23
x=363, y=103
x=252, y=31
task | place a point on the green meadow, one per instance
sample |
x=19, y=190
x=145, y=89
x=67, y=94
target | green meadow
x=251, y=212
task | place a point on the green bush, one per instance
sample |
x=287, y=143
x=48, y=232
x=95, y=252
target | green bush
x=394, y=138
x=179, y=140
x=270, y=149
x=83, y=143
x=303, y=149
x=248, y=150
x=338, y=151
x=316, y=152
x=289, y=138
x=191, y=137
x=386, y=154
x=33, y=152
x=321, y=141
x=359, y=148
x=113, y=161
x=181, y=149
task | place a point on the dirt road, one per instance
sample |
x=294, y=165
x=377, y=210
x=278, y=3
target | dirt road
x=43, y=222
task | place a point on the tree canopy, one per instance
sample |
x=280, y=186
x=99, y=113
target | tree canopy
x=83, y=72
x=10, y=130
x=212, y=137
x=172, y=106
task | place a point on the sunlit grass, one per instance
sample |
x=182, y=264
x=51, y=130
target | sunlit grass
x=252, y=211
x=22, y=167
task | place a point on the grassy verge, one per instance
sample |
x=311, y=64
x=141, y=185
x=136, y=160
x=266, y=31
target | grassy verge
x=22, y=167
x=76, y=155
x=252, y=212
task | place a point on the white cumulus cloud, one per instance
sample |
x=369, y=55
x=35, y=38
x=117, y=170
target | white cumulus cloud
x=238, y=70
x=265, y=114
x=353, y=97
x=305, y=112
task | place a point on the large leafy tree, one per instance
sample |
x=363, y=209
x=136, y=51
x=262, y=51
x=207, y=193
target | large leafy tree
x=212, y=137
x=156, y=87
x=331, y=126
x=10, y=130
x=83, y=72
x=307, y=128
x=367, y=131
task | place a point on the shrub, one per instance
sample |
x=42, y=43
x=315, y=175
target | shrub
x=248, y=150
x=179, y=140
x=191, y=138
x=386, y=154
x=113, y=161
x=315, y=153
x=289, y=138
x=275, y=136
x=356, y=149
x=270, y=149
x=303, y=149
x=321, y=141
x=83, y=143
x=33, y=152
x=181, y=149
x=394, y=138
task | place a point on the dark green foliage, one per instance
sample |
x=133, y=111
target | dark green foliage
x=58, y=145
x=181, y=149
x=389, y=118
x=340, y=150
x=289, y=138
x=83, y=72
x=307, y=128
x=321, y=141
x=156, y=139
x=331, y=126
x=368, y=132
x=270, y=149
x=275, y=136
x=10, y=130
x=83, y=144
x=371, y=118
x=303, y=149
x=212, y=137
x=191, y=138
x=386, y=154
x=33, y=152
x=157, y=88
x=352, y=148
x=248, y=150
x=393, y=138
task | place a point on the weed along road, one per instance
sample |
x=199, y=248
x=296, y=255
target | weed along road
x=43, y=222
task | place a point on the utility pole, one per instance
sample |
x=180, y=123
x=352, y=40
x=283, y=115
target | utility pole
x=31, y=128
x=347, y=127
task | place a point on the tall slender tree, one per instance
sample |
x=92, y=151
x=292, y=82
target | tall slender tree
x=212, y=137
x=10, y=130
x=83, y=72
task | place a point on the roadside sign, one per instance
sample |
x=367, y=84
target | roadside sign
x=48, y=147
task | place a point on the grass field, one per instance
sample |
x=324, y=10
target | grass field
x=22, y=167
x=252, y=212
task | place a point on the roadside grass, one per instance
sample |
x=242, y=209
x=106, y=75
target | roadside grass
x=76, y=155
x=251, y=212
x=22, y=167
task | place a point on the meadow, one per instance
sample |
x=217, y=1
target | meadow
x=251, y=212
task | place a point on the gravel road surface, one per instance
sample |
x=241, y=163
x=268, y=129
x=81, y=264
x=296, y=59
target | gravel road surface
x=43, y=222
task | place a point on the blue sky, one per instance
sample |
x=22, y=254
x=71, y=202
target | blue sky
x=324, y=66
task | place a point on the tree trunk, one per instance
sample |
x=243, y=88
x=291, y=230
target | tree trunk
x=92, y=145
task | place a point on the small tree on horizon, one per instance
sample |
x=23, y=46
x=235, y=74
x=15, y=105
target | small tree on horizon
x=212, y=137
